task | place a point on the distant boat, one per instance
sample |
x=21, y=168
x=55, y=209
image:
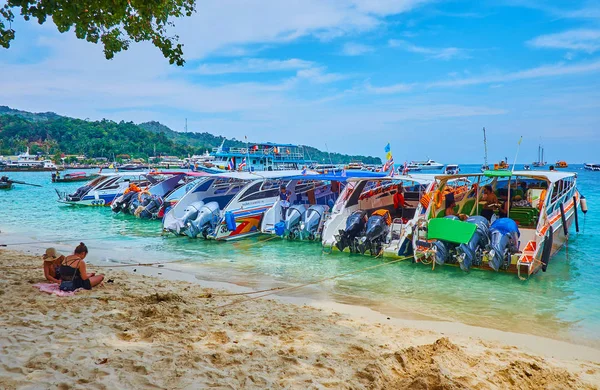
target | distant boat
x=540, y=162
x=26, y=162
x=561, y=164
x=73, y=177
x=591, y=167
x=452, y=169
x=133, y=167
x=424, y=165
x=5, y=184
x=356, y=166
x=501, y=166
x=526, y=167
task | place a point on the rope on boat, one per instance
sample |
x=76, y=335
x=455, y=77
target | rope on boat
x=315, y=282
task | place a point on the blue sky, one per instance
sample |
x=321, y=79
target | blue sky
x=425, y=76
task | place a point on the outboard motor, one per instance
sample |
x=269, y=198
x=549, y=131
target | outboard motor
x=504, y=242
x=311, y=221
x=134, y=203
x=293, y=217
x=355, y=225
x=79, y=194
x=471, y=253
x=204, y=222
x=149, y=208
x=174, y=225
x=444, y=250
x=121, y=203
x=378, y=227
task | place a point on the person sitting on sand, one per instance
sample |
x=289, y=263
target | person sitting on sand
x=73, y=268
x=52, y=262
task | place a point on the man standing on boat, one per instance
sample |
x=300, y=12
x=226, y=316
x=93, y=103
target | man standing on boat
x=284, y=201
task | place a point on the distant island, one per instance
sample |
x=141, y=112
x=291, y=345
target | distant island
x=57, y=135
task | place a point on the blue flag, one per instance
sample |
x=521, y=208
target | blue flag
x=387, y=148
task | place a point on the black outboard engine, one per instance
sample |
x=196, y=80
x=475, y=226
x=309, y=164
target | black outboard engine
x=355, y=225
x=80, y=193
x=377, y=230
x=150, y=207
x=471, y=253
x=504, y=242
x=122, y=202
x=444, y=250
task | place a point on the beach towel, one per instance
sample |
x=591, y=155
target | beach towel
x=54, y=288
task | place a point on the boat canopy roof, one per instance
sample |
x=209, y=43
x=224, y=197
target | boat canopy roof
x=551, y=176
x=298, y=175
x=420, y=178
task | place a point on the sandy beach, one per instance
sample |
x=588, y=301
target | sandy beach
x=147, y=331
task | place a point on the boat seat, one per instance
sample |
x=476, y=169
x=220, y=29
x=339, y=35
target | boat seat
x=467, y=207
x=524, y=216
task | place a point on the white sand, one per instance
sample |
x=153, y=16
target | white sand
x=151, y=332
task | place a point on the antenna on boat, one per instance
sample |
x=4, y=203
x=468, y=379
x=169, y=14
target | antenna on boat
x=186, y=125
x=518, y=147
x=485, y=161
x=247, y=154
x=330, y=160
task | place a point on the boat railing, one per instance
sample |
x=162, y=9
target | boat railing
x=279, y=154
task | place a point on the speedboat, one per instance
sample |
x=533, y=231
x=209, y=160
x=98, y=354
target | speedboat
x=591, y=167
x=542, y=207
x=561, y=164
x=147, y=203
x=309, y=208
x=424, y=165
x=234, y=205
x=102, y=190
x=526, y=167
x=452, y=169
x=364, y=218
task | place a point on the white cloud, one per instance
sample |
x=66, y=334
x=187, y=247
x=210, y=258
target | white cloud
x=229, y=23
x=319, y=75
x=496, y=80
x=581, y=40
x=355, y=49
x=555, y=70
x=253, y=65
x=443, y=53
x=390, y=89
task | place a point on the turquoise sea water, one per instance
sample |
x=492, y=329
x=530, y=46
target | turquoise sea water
x=562, y=303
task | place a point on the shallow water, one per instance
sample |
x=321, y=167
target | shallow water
x=561, y=303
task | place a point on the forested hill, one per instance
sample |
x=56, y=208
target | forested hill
x=54, y=134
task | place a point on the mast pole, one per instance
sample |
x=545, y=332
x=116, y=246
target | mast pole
x=485, y=160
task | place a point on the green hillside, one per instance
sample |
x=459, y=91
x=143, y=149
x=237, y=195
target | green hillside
x=54, y=134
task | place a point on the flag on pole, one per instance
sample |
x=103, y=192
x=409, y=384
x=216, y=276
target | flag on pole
x=242, y=164
x=230, y=165
x=405, y=168
x=390, y=160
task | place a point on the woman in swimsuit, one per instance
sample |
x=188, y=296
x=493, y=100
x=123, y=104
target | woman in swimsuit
x=73, y=268
x=52, y=262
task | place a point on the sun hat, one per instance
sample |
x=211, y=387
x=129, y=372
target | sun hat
x=51, y=254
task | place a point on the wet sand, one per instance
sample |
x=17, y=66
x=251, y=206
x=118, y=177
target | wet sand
x=158, y=332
